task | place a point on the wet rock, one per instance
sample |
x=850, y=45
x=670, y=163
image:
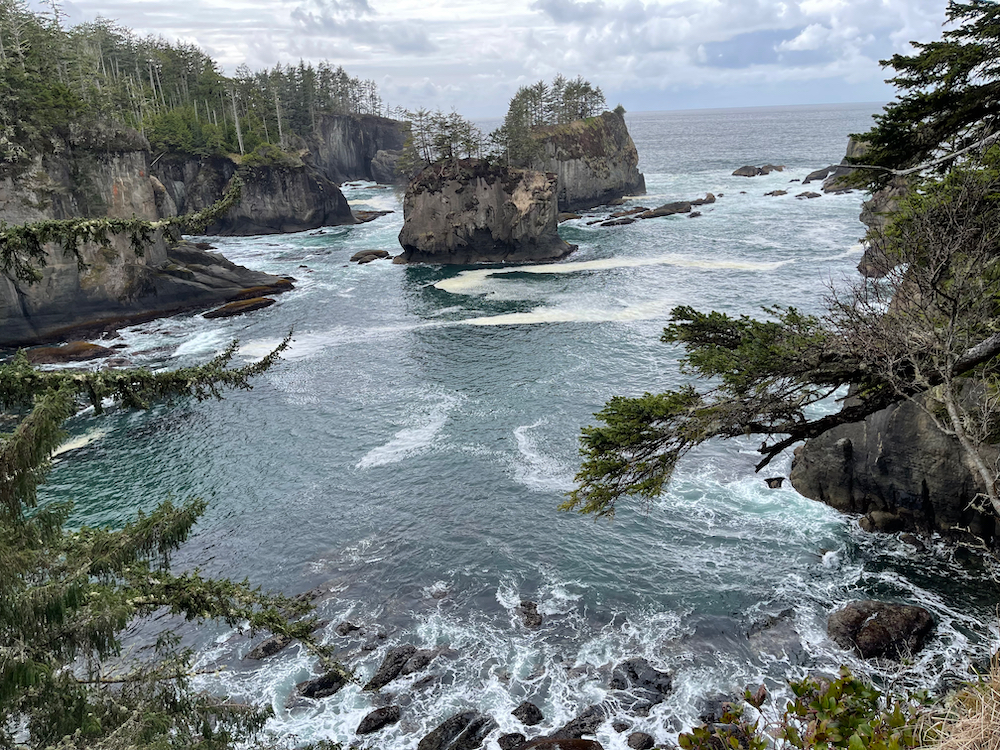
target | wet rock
x=74, y=351
x=628, y=212
x=390, y=668
x=321, y=687
x=776, y=193
x=529, y=614
x=464, y=731
x=567, y=216
x=418, y=661
x=346, y=628
x=820, y=174
x=774, y=483
x=750, y=171
x=239, y=308
x=639, y=686
x=551, y=744
x=776, y=636
x=620, y=725
x=366, y=256
x=882, y=520
x=709, y=198
x=808, y=195
x=641, y=741
x=880, y=629
x=714, y=707
x=269, y=647
x=511, y=741
x=528, y=714
x=694, y=214
x=279, y=286
x=586, y=722
x=364, y=217
x=378, y=719
x=667, y=209
x=619, y=222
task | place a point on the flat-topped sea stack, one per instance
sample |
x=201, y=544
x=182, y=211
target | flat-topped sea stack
x=466, y=211
x=594, y=159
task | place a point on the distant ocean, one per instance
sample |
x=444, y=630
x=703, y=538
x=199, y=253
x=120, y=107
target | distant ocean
x=409, y=454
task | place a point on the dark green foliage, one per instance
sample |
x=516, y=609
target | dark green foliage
x=67, y=594
x=538, y=106
x=435, y=136
x=949, y=99
x=55, y=80
x=845, y=713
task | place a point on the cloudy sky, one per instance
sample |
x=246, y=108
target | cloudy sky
x=472, y=55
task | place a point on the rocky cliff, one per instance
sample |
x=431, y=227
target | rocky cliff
x=595, y=161
x=105, y=172
x=357, y=147
x=469, y=211
x=288, y=195
x=898, y=469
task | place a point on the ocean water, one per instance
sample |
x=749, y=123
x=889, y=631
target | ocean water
x=408, y=456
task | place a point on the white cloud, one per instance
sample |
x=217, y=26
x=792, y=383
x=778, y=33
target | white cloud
x=473, y=56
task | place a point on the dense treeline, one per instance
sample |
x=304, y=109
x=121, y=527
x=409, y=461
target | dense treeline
x=436, y=135
x=54, y=77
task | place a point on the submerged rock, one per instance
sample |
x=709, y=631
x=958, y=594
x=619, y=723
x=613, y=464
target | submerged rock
x=880, y=629
x=530, y=616
x=586, y=722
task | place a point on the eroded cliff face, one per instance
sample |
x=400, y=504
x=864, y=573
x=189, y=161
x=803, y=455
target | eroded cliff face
x=468, y=211
x=105, y=173
x=900, y=471
x=357, y=147
x=595, y=161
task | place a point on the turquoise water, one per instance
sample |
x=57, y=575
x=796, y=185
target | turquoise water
x=409, y=453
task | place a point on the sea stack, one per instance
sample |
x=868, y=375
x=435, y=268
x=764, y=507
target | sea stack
x=464, y=211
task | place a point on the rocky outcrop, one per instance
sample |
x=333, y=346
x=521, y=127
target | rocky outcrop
x=595, y=161
x=751, y=171
x=357, y=147
x=289, y=195
x=880, y=629
x=464, y=731
x=106, y=172
x=897, y=468
x=469, y=211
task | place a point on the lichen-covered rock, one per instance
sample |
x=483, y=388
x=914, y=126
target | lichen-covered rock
x=881, y=629
x=469, y=211
x=595, y=161
x=896, y=461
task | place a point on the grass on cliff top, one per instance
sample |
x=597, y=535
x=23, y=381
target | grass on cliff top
x=975, y=723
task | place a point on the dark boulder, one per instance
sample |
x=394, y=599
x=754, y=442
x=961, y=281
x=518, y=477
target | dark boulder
x=269, y=647
x=586, y=722
x=346, y=628
x=528, y=714
x=639, y=686
x=378, y=719
x=240, y=307
x=393, y=663
x=511, y=741
x=774, y=483
x=419, y=661
x=641, y=741
x=667, y=209
x=366, y=256
x=751, y=171
x=567, y=216
x=776, y=193
x=530, y=616
x=74, y=351
x=819, y=174
x=808, y=195
x=619, y=222
x=880, y=629
x=565, y=744
x=708, y=199
x=323, y=686
x=464, y=731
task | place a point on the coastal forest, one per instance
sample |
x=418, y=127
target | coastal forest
x=920, y=329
